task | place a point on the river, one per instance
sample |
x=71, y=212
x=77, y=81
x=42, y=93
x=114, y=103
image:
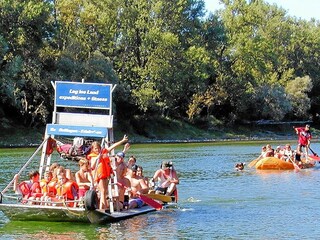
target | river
x=215, y=201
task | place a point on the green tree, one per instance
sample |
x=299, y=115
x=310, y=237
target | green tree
x=24, y=28
x=297, y=91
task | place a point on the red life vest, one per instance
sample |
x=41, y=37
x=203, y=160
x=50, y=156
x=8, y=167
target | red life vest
x=29, y=189
x=51, y=145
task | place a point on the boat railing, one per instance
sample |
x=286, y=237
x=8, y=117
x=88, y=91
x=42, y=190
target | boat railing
x=24, y=166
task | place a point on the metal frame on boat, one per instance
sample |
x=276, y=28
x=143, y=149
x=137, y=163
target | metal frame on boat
x=64, y=123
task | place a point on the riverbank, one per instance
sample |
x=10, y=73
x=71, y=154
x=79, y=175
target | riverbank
x=170, y=132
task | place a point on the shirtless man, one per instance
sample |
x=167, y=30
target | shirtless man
x=138, y=186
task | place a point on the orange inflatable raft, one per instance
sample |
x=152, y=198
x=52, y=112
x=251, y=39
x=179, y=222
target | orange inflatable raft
x=272, y=163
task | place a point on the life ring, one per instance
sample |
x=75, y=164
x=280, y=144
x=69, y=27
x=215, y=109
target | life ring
x=91, y=200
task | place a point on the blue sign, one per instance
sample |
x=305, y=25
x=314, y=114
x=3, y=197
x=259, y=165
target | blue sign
x=83, y=95
x=76, y=131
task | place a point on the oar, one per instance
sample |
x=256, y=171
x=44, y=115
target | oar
x=296, y=167
x=253, y=162
x=147, y=200
x=315, y=154
x=160, y=197
x=151, y=202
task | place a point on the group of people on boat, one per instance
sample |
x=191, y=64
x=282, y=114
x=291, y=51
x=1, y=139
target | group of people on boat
x=286, y=153
x=96, y=171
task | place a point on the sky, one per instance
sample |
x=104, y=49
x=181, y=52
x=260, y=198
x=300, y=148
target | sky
x=305, y=9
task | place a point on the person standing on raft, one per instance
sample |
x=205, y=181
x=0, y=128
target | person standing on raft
x=304, y=141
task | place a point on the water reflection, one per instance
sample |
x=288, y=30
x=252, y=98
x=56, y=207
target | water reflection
x=163, y=223
x=46, y=230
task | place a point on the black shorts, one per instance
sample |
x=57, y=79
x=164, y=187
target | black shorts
x=162, y=190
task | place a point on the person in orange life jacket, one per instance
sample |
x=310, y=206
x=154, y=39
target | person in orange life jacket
x=84, y=177
x=55, y=169
x=47, y=189
x=52, y=185
x=167, y=178
x=45, y=181
x=304, y=141
x=31, y=189
x=102, y=169
x=66, y=189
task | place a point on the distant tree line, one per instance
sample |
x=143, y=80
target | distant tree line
x=246, y=62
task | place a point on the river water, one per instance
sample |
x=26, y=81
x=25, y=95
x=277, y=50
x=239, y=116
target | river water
x=215, y=201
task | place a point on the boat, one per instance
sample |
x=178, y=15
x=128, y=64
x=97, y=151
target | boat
x=273, y=163
x=24, y=212
x=73, y=101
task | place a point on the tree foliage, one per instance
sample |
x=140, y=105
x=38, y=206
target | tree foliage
x=248, y=61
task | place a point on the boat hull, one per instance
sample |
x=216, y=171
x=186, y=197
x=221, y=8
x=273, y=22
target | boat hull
x=22, y=212
x=272, y=163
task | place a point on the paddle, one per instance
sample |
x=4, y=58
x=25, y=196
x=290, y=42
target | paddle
x=296, y=167
x=160, y=197
x=315, y=154
x=151, y=202
x=146, y=199
x=253, y=162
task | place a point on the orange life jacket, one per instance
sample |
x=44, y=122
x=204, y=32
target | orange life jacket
x=67, y=189
x=104, y=169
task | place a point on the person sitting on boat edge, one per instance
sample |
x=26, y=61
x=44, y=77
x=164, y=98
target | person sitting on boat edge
x=84, y=177
x=167, y=179
x=138, y=186
x=30, y=189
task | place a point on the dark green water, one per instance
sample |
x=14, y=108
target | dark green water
x=215, y=201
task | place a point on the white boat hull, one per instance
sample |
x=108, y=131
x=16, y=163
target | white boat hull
x=22, y=212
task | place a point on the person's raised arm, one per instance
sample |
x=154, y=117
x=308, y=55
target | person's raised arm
x=113, y=146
